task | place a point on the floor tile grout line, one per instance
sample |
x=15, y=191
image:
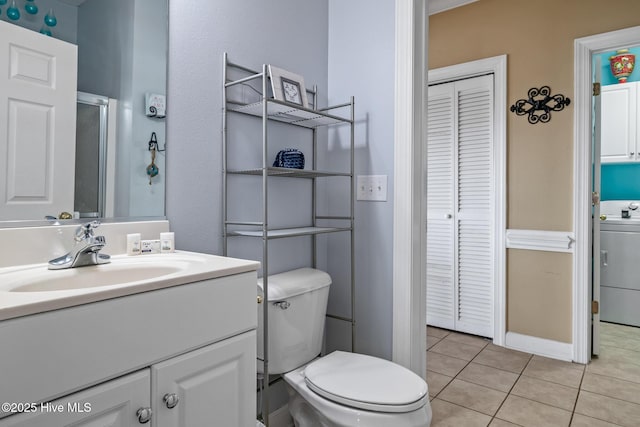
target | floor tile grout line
x=611, y=397
x=511, y=389
x=455, y=376
x=468, y=409
x=575, y=404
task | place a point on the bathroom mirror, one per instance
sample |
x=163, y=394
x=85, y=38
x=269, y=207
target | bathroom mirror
x=122, y=67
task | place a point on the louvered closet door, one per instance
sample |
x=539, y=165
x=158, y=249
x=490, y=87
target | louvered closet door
x=460, y=223
x=440, y=207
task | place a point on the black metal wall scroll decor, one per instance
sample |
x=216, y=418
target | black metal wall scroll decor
x=540, y=105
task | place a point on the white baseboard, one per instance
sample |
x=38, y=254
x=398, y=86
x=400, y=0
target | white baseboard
x=539, y=346
x=281, y=417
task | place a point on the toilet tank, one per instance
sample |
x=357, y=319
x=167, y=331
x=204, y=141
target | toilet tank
x=297, y=307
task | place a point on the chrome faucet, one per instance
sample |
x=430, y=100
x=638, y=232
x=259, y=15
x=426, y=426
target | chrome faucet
x=85, y=252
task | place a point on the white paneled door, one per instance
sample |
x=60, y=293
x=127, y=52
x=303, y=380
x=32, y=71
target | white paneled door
x=38, y=90
x=460, y=206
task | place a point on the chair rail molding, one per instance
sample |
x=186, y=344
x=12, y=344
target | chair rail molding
x=540, y=240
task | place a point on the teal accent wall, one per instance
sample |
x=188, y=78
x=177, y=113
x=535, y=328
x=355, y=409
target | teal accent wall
x=620, y=181
x=606, y=75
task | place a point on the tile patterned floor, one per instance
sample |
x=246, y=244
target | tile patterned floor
x=474, y=383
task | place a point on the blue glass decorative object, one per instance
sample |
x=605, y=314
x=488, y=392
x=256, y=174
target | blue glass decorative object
x=13, y=12
x=3, y=2
x=46, y=31
x=50, y=19
x=30, y=7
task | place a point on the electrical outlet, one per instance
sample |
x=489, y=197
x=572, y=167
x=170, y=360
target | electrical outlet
x=371, y=188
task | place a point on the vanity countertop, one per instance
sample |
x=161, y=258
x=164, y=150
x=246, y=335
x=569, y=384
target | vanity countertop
x=191, y=267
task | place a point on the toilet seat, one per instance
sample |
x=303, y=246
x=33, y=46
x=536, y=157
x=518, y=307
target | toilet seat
x=366, y=382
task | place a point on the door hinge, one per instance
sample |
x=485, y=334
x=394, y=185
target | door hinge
x=595, y=198
x=595, y=307
x=596, y=89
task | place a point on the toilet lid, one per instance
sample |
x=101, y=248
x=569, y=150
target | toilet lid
x=366, y=382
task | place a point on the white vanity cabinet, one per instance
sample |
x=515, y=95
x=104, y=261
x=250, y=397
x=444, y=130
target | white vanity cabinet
x=112, y=404
x=619, y=131
x=180, y=356
x=207, y=386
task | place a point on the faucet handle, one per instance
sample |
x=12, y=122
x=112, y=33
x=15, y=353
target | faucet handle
x=85, y=231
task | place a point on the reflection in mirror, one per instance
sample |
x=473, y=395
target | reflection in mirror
x=122, y=58
x=94, y=171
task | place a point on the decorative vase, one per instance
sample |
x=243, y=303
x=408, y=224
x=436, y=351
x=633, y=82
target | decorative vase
x=622, y=64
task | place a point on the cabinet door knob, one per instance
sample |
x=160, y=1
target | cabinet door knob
x=171, y=400
x=631, y=154
x=448, y=216
x=144, y=415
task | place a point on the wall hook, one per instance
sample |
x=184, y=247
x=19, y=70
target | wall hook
x=153, y=143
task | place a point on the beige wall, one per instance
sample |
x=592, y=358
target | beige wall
x=538, y=38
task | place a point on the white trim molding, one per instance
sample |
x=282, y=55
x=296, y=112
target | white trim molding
x=540, y=346
x=538, y=240
x=584, y=48
x=496, y=65
x=409, y=203
x=437, y=6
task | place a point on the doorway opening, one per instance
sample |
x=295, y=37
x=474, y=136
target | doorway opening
x=586, y=208
x=617, y=233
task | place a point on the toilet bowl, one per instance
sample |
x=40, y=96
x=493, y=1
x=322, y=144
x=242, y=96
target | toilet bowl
x=341, y=388
x=350, y=389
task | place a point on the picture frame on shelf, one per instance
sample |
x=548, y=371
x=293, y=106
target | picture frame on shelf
x=288, y=87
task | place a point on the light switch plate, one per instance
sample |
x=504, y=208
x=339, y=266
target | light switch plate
x=371, y=188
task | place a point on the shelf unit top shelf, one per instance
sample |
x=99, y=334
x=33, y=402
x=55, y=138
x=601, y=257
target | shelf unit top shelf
x=288, y=172
x=289, y=232
x=288, y=113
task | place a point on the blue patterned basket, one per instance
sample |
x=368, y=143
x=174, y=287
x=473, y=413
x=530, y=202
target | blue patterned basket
x=289, y=158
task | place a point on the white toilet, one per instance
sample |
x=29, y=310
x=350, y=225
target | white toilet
x=340, y=389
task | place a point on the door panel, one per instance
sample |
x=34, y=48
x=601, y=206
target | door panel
x=618, y=122
x=215, y=384
x=475, y=203
x=37, y=123
x=112, y=404
x=440, y=207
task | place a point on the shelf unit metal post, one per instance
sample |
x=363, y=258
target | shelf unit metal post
x=268, y=109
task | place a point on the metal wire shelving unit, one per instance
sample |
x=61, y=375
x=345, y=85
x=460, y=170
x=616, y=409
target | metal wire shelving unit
x=271, y=110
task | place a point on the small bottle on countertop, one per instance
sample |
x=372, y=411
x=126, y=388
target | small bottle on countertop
x=167, y=242
x=133, y=244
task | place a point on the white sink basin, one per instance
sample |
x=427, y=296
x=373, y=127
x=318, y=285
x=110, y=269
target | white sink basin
x=88, y=277
x=122, y=271
x=34, y=288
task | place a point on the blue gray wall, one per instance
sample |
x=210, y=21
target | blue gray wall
x=346, y=48
x=361, y=63
x=290, y=34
